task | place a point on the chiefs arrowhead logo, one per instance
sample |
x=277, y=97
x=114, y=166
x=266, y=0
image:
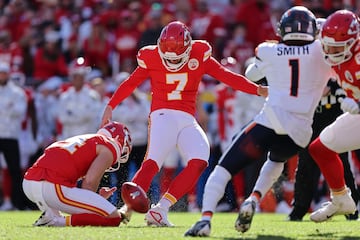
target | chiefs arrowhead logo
x=353, y=28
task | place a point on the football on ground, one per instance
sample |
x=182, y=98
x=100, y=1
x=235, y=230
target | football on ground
x=135, y=197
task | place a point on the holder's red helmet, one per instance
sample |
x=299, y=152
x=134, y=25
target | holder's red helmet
x=121, y=134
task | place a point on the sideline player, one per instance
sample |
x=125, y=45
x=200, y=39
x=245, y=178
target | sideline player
x=175, y=67
x=283, y=126
x=51, y=182
x=340, y=40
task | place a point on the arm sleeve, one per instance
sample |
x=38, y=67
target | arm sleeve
x=128, y=86
x=234, y=80
x=253, y=73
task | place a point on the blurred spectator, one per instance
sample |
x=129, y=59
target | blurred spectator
x=18, y=17
x=154, y=25
x=137, y=10
x=29, y=127
x=208, y=26
x=46, y=104
x=97, y=47
x=72, y=46
x=255, y=15
x=183, y=11
x=49, y=60
x=12, y=110
x=10, y=51
x=79, y=105
x=126, y=38
x=238, y=47
x=29, y=43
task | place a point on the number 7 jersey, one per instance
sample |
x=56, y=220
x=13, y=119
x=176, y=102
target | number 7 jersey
x=178, y=90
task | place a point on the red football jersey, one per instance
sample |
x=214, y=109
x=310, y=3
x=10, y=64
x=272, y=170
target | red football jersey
x=349, y=75
x=178, y=90
x=65, y=162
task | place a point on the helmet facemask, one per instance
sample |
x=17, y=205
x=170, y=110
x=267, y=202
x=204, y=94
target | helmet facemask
x=174, y=62
x=341, y=50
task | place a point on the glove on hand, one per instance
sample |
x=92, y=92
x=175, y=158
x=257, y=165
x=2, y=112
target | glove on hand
x=349, y=105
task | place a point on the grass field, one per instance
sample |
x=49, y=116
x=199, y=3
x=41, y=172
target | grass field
x=18, y=225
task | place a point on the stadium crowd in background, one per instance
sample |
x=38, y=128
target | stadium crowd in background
x=41, y=40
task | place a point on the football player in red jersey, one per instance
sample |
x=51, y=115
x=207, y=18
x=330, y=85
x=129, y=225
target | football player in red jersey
x=175, y=67
x=340, y=41
x=52, y=181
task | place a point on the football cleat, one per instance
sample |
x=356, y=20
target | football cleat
x=342, y=204
x=125, y=213
x=157, y=216
x=201, y=228
x=246, y=213
x=46, y=219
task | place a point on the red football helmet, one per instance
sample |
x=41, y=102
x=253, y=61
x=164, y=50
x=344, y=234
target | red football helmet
x=121, y=134
x=174, y=45
x=338, y=36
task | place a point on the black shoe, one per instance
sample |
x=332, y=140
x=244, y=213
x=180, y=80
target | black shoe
x=294, y=218
x=353, y=216
x=296, y=214
x=201, y=228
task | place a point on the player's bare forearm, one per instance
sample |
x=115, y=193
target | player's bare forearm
x=262, y=91
x=107, y=115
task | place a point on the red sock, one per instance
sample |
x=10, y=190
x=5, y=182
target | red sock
x=329, y=163
x=144, y=176
x=89, y=219
x=187, y=178
x=167, y=175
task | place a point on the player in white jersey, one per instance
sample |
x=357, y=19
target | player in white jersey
x=296, y=73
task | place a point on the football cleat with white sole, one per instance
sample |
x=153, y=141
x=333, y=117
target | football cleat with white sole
x=339, y=205
x=47, y=219
x=246, y=213
x=125, y=213
x=157, y=216
x=201, y=228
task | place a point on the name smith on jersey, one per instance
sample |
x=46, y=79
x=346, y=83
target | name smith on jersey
x=292, y=50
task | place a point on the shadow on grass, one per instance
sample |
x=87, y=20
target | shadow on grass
x=311, y=236
x=261, y=237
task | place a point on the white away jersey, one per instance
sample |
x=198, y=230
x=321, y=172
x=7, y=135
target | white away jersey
x=297, y=76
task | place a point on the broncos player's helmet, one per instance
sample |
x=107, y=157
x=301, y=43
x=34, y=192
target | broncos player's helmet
x=297, y=24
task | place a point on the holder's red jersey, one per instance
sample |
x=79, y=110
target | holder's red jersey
x=65, y=162
x=349, y=75
x=178, y=90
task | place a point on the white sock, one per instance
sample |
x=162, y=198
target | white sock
x=164, y=203
x=215, y=188
x=269, y=174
